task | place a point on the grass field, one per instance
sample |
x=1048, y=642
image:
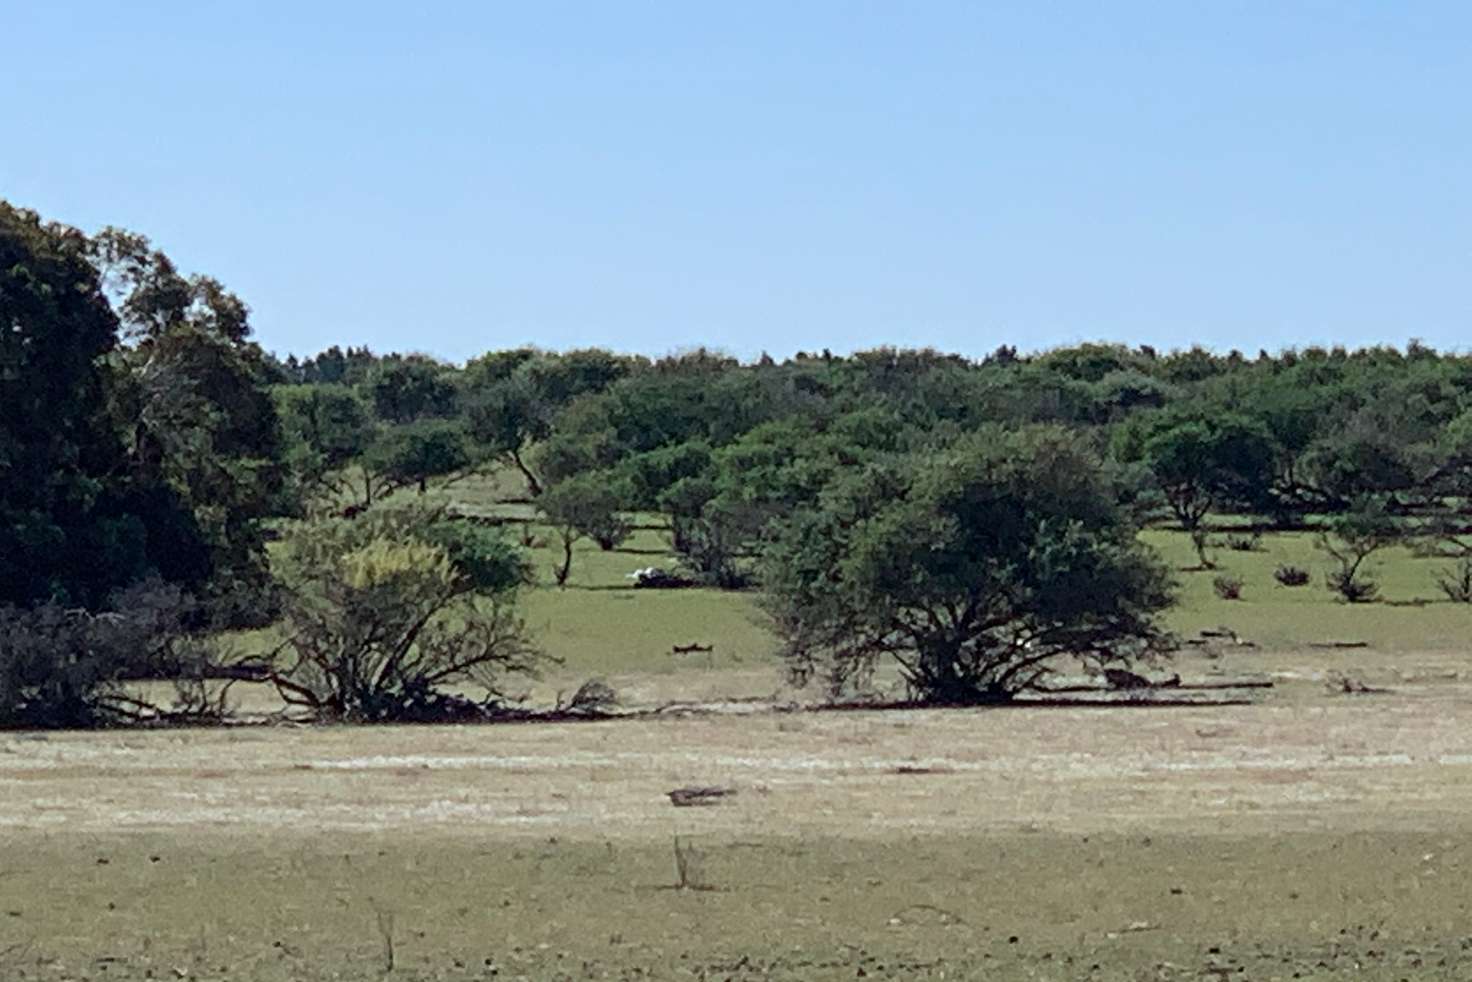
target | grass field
x=1308, y=834
x=1325, y=837
x=600, y=626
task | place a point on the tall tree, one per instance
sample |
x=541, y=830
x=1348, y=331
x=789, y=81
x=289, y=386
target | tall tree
x=63, y=531
x=190, y=388
x=978, y=569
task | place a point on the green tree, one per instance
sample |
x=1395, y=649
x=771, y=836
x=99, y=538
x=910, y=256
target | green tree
x=189, y=387
x=587, y=505
x=385, y=612
x=411, y=455
x=1201, y=461
x=404, y=389
x=511, y=399
x=505, y=419
x=79, y=518
x=1352, y=538
x=327, y=429
x=977, y=569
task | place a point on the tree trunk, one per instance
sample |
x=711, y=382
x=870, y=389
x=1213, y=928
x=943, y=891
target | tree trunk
x=1199, y=540
x=561, y=572
x=532, y=484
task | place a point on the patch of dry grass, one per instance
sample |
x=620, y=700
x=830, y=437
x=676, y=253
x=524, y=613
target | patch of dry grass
x=1317, y=834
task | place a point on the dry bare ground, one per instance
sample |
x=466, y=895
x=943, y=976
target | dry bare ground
x=1310, y=836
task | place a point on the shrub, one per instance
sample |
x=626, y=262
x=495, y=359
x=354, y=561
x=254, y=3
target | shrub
x=1291, y=575
x=1250, y=542
x=1354, y=588
x=710, y=552
x=1456, y=581
x=1227, y=586
x=68, y=667
x=385, y=611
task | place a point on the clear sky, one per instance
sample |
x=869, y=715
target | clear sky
x=452, y=177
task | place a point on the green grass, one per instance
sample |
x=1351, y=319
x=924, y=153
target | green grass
x=1412, y=615
x=994, y=907
x=600, y=625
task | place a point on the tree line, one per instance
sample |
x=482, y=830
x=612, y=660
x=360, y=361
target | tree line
x=972, y=519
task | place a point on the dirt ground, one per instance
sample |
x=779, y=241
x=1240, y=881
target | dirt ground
x=1310, y=835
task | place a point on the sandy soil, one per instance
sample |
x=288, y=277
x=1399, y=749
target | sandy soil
x=1402, y=760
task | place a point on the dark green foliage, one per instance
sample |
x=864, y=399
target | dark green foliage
x=326, y=429
x=119, y=463
x=1203, y=460
x=1200, y=461
x=510, y=399
x=188, y=393
x=648, y=475
x=58, y=451
x=412, y=454
x=406, y=389
x=977, y=568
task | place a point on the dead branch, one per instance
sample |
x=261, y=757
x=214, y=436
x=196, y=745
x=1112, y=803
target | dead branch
x=1182, y=686
x=920, y=769
x=946, y=916
x=689, y=875
x=386, y=934
x=699, y=796
x=1350, y=686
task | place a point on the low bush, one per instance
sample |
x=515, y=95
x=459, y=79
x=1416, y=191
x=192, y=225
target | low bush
x=68, y=667
x=1291, y=575
x=1456, y=581
x=1227, y=586
x=1355, y=588
x=1351, y=539
x=1250, y=542
x=387, y=612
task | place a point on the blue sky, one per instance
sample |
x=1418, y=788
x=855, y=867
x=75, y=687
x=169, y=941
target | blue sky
x=458, y=176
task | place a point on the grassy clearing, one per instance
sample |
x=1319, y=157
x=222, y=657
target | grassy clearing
x=1413, y=613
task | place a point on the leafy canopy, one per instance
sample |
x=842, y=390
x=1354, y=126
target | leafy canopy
x=976, y=568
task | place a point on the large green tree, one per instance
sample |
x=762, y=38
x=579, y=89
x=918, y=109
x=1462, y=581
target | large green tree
x=978, y=569
x=189, y=388
x=64, y=533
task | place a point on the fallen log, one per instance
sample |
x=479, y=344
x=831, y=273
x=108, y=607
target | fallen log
x=699, y=796
x=1172, y=686
x=690, y=649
